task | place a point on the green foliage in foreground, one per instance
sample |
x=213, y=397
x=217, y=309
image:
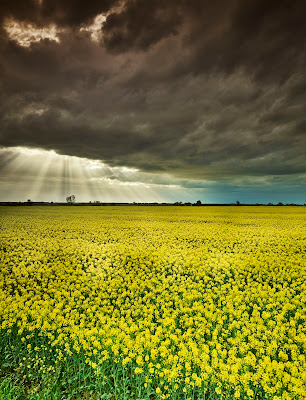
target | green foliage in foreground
x=73, y=379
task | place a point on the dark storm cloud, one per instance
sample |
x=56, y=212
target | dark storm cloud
x=200, y=89
x=156, y=20
x=60, y=12
x=74, y=12
x=141, y=24
x=264, y=37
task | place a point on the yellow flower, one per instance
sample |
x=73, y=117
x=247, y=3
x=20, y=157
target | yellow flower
x=218, y=390
x=196, y=296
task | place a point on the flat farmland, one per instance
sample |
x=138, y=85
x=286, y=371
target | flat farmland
x=144, y=302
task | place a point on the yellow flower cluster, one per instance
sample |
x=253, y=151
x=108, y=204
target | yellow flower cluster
x=189, y=297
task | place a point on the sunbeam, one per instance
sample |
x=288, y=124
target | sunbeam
x=37, y=188
x=41, y=175
x=66, y=177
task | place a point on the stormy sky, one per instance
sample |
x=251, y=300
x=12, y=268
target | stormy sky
x=153, y=100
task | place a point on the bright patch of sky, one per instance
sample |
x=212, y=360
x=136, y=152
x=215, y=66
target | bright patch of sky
x=25, y=33
x=95, y=29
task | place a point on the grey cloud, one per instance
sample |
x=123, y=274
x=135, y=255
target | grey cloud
x=22, y=10
x=222, y=36
x=199, y=90
x=71, y=13
x=74, y=13
x=141, y=24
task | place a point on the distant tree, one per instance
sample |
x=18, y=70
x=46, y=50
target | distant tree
x=237, y=203
x=198, y=203
x=70, y=199
x=270, y=204
x=280, y=204
x=29, y=200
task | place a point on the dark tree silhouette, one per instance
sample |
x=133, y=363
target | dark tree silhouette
x=70, y=199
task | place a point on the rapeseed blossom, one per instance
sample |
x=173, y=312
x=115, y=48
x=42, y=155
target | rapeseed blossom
x=189, y=298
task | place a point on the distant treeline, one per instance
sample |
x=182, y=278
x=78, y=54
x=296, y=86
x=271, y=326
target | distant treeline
x=98, y=203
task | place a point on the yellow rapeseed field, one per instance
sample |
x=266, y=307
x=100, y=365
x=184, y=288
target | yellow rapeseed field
x=187, y=300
